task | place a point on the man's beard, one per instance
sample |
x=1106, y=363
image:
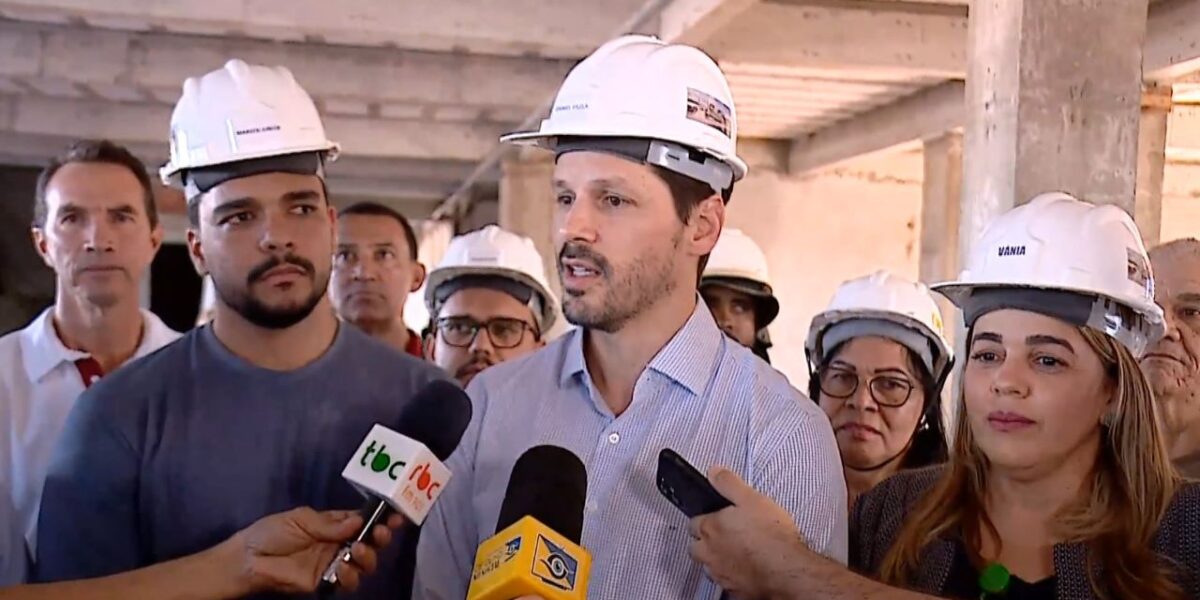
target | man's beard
x=268, y=317
x=626, y=294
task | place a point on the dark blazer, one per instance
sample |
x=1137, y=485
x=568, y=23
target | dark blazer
x=878, y=516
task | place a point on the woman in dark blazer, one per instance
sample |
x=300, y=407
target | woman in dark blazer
x=1059, y=484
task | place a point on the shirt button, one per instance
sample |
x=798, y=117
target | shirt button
x=94, y=379
x=614, y=437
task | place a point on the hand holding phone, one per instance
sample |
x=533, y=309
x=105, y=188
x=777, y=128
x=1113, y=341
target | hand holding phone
x=686, y=487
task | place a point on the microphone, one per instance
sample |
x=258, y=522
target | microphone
x=402, y=470
x=536, y=548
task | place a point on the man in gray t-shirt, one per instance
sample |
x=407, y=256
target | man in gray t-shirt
x=258, y=411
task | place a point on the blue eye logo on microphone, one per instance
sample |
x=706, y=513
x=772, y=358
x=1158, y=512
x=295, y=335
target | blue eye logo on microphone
x=553, y=565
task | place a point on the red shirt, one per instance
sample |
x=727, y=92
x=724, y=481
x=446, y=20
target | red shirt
x=413, y=346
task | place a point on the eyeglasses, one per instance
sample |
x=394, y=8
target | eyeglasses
x=503, y=332
x=887, y=390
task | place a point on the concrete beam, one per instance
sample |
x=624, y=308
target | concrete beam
x=695, y=21
x=1172, y=40
x=351, y=80
x=148, y=123
x=884, y=37
x=417, y=184
x=27, y=149
x=918, y=38
x=926, y=113
x=562, y=29
x=1171, y=45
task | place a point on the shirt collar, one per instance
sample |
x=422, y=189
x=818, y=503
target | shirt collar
x=689, y=357
x=42, y=350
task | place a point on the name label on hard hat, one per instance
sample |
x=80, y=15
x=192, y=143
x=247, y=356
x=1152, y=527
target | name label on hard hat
x=1012, y=250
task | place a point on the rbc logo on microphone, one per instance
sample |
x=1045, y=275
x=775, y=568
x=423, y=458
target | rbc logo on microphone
x=424, y=481
x=554, y=565
x=397, y=469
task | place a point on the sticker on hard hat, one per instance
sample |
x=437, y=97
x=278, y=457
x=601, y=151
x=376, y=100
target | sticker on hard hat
x=706, y=109
x=250, y=134
x=1138, y=271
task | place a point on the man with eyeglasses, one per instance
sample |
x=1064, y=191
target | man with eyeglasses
x=489, y=302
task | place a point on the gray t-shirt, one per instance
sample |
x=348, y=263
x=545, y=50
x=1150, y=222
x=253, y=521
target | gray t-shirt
x=175, y=452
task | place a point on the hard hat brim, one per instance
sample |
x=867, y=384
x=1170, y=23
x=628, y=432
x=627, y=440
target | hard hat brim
x=546, y=139
x=767, y=303
x=439, y=276
x=171, y=174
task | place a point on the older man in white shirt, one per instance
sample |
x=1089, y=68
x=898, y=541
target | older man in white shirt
x=96, y=225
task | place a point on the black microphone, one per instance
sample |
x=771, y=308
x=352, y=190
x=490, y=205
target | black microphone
x=400, y=469
x=536, y=547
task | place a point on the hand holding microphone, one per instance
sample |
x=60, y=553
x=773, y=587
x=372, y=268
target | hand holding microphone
x=286, y=552
x=402, y=470
x=535, y=552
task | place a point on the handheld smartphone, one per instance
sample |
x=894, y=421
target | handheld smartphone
x=686, y=487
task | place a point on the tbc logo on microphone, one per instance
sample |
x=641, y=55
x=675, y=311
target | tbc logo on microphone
x=554, y=565
x=382, y=462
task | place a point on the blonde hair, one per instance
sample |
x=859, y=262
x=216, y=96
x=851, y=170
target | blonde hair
x=1116, y=516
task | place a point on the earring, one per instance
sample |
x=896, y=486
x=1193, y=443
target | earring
x=1107, y=419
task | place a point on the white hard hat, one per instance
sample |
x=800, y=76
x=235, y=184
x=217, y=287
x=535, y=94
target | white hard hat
x=736, y=255
x=241, y=112
x=494, y=251
x=1057, y=243
x=737, y=262
x=637, y=86
x=887, y=305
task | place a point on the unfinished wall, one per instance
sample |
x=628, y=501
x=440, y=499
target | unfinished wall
x=821, y=230
x=1181, y=201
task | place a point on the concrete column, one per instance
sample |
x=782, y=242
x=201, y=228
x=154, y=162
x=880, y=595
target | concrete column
x=527, y=205
x=1053, y=95
x=1151, y=160
x=941, y=195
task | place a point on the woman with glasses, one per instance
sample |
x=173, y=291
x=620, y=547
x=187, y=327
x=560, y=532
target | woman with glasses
x=1059, y=484
x=877, y=360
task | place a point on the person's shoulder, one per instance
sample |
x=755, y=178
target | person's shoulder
x=878, y=515
x=902, y=490
x=10, y=349
x=541, y=366
x=140, y=376
x=363, y=351
x=1183, y=513
x=12, y=342
x=772, y=396
x=1178, y=531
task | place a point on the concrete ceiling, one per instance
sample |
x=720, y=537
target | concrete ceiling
x=418, y=91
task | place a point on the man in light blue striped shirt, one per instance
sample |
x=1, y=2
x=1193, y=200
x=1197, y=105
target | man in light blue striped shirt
x=647, y=369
